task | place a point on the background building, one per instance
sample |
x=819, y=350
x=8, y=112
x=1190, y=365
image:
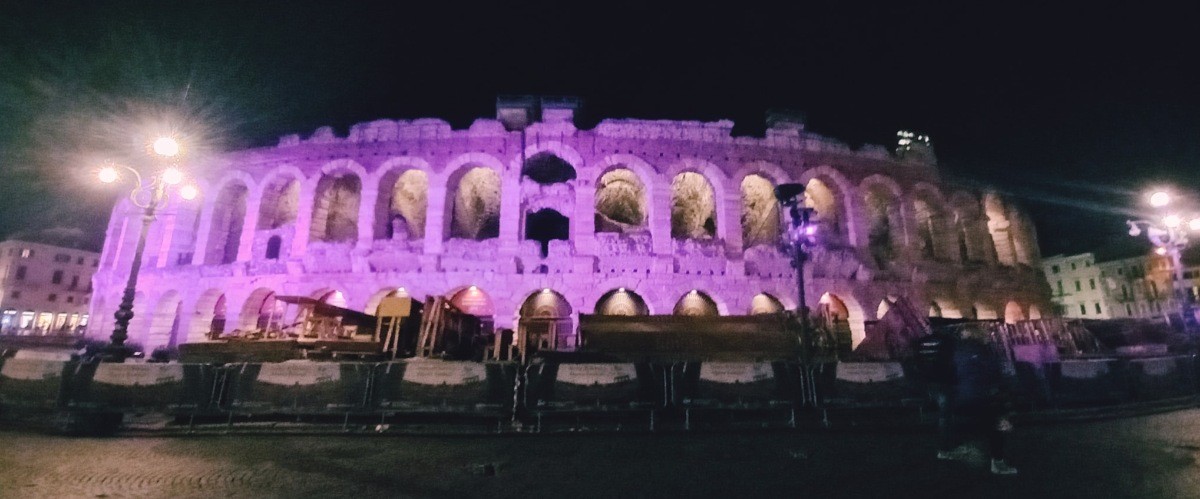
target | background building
x=528, y=221
x=1137, y=287
x=45, y=289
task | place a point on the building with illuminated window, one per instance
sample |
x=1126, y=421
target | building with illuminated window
x=1136, y=287
x=45, y=289
x=528, y=221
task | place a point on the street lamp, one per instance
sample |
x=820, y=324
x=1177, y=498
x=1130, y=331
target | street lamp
x=149, y=194
x=1168, y=232
x=801, y=236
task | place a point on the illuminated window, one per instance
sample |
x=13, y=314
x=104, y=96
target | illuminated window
x=26, y=253
x=26, y=320
x=83, y=320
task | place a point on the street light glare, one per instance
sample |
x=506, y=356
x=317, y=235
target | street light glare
x=108, y=175
x=189, y=192
x=1160, y=251
x=1160, y=199
x=166, y=146
x=172, y=176
x=1172, y=221
x=1194, y=224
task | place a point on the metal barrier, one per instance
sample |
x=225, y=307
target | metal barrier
x=729, y=387
x=296, y=387
x=1079, y=382
x=167, y=388
x=427, y=385
x=1162, y=377
x=35, y=383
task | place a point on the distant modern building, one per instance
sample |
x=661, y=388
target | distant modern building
x=1082, y=288
x=44, y=289
x=527, y=221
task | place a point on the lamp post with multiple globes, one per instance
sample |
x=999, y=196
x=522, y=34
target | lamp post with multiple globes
x=801, y=237
x=1168, y=231
x=150, y=194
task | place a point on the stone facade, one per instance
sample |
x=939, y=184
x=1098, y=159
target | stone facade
x=527, y=215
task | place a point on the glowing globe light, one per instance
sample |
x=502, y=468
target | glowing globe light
x=172, y=176
x=1160, y=251
x=166, y=146
x=1194, y=224
x=189, y=192
x=1172, y=221
x=108, y=175
x=1160, y=199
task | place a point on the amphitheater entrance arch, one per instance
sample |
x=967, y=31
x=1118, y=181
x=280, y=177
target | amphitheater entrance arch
x=621, y=301
x=546, y=321
x=332, y=297
x=209, y=318
x=165, y=323
x=401, y=206
x=827, y=206
x=696, y=303
x=693, y=207
x=1013, y=313
x=373, y=302
x=546, y=168
x=1035, y=312
x=475, y=301
x=935, y=310
x=764, y=303
x=262, y=312
x=842, y=318
x=983, y=312
x=335, y=208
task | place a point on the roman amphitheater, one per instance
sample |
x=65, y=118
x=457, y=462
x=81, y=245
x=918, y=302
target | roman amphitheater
x=527, y=218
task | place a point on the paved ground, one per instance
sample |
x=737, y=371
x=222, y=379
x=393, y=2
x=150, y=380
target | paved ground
x=1147, y=457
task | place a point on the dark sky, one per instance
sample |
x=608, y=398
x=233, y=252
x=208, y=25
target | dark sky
x=1073, y=110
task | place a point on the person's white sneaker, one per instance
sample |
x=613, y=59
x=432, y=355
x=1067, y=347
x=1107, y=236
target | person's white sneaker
x=999, y=467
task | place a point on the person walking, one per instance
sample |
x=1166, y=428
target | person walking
x=966, y=380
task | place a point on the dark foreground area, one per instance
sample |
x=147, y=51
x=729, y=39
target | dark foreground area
x=1151, y=456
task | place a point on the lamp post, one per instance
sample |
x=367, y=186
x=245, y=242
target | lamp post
x=801, y=236
x=1168, y=231
x=149, y=194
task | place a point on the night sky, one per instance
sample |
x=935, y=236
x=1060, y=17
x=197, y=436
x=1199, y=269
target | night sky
x=1072, y=110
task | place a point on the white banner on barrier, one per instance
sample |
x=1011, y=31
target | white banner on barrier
x=440, y=372
x=1084, y=369
x=596, y=374
x=57, y=355
x=31, y=369
x=1157, y=367
x=735, y=372
x=869, y=372
x=138, y=374
x=299, y=373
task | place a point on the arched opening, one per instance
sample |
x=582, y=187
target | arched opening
x=968, y=228
x=164, y=324
x=475, y=301
x=882, y=309
x=209, y=311
x=620, y=202
x=985, y=313
x=948, y=309
x=764, y=303
x=280, y=200
x=333, y=297
x=930, y=232
x=827, y=206
x=696, y=303
x=335, y=208
x=545, y=168
x=879, y=206
x=262, y=312
x=475, y=205
x=545, y=321
x=934, y=309
x=546, y=225
x=401, y=205
x=621, y=301
x=760, y=212
x=1035, y=312
x=1013, y=313
x=842, y=320
x=377, y=298
x=693, y=207
x=1000, y=229
x=274, y=243
x=228, y=218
